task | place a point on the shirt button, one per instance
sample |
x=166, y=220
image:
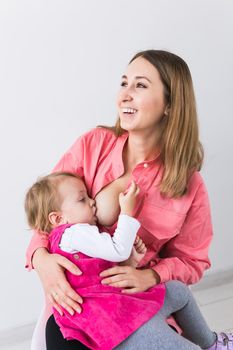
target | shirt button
x=145, y=165
x=76, y=256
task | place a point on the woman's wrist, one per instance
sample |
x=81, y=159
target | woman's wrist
x=155, y=276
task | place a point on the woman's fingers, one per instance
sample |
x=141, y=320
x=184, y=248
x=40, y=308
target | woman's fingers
x=73, y=295
x=122, y=284
x=58, y=308
x=54, y=304
x=115, y=279
x=60, y=299
x=114, y=271
x=65, y=295
x=130, y=278
x=116, y=275
x=50, y=268
x=68, y=265
x=58, y=290
x=69, y=305
x=130, y=290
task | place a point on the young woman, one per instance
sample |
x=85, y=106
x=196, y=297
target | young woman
x=155, y=142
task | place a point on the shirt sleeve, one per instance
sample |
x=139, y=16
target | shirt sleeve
x=185, y=257
x=38, y=240
x=87, y=239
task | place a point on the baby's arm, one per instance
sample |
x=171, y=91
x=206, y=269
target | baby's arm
x=88, y=240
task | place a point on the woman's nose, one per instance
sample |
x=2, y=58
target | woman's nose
x=127, y=95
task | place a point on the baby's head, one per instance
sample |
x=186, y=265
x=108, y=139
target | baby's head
x=56, y=199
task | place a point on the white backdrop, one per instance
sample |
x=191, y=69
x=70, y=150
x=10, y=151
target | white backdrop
x=60, y=68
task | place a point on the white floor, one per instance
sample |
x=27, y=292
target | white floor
x=216, y=304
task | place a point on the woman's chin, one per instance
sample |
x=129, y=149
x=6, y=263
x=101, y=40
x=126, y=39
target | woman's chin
x=127, y=124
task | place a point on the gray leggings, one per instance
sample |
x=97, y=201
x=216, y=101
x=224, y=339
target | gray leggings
x=157, y=335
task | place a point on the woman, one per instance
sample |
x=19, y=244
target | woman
x=155, y=142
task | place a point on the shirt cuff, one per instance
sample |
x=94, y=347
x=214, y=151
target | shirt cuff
x=129, y=219
x=38, y=241
x=162, y=271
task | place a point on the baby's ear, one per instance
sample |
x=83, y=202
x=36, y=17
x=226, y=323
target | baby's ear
x=55, y=218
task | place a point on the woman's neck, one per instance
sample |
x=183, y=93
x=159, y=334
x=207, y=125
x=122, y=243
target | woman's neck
x=141, y=148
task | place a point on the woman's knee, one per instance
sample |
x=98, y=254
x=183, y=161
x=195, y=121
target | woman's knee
x=177, y=293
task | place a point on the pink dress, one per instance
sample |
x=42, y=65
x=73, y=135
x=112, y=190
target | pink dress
x=108, y=316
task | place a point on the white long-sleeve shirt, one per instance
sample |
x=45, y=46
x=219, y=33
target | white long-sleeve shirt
x=87, y=239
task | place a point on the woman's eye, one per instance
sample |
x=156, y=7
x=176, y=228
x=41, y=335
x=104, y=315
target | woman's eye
x=140, y=85
x=123, y=83
x=82, y=199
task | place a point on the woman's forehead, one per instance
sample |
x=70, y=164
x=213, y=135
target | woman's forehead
x=140, y=67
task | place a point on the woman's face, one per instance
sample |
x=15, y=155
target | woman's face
x=140, y=101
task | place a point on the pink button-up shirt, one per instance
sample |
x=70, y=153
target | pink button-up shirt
x=177, y=232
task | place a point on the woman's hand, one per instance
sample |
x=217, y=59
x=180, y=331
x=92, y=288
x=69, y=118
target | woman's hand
x=130, y=279
x=50, y=268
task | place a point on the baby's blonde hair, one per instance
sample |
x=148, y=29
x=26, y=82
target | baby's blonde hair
x=43, y=198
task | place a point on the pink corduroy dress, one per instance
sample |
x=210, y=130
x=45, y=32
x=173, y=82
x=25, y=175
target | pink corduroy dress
x=108, y=316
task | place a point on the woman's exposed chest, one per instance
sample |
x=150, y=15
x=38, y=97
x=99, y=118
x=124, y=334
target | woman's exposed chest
x=107, y=200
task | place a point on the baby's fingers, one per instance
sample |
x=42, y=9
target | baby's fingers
x=140, y=246
x=133, y=189
x=137, y=190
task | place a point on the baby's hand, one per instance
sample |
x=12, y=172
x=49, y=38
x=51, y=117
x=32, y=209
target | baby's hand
x=140, y=246
x=128, y=200
x=137, y=254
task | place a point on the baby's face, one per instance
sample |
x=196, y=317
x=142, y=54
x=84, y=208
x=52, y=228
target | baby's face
x=76, y=206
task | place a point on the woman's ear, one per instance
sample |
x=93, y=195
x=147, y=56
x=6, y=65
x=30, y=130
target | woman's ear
x=55, y=218
x=167, y=110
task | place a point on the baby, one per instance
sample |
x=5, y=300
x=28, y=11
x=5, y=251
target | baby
x=59, y=204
